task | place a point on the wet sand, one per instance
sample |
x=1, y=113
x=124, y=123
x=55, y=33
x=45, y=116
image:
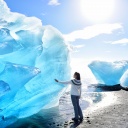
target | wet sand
x=112, y=116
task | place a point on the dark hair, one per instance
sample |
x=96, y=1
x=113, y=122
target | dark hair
x=77, y=75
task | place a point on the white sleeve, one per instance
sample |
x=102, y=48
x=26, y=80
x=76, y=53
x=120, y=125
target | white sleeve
x=64, y=82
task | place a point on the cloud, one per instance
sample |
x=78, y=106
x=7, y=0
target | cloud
x=54, y=2
x=75, y=48
x=79, y=46
x=122, y=41
x=92, y=31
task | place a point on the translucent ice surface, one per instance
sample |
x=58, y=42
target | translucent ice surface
x=31, y=57
x=108, y=73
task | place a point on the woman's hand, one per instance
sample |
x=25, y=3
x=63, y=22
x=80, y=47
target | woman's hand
x=56, y=80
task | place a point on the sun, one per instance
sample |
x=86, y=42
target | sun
x=97, y=10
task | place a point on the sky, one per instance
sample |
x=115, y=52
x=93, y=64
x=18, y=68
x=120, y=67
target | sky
x=95, y=29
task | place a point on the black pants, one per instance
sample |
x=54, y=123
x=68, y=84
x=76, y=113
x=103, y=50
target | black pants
x=77, y=109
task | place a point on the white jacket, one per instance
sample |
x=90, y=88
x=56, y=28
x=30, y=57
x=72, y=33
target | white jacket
x=75, y=86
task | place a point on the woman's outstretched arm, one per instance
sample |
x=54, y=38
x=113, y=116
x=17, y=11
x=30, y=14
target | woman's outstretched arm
x=63, y=82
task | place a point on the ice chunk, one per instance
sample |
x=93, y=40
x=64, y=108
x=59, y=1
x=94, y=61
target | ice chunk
x=31, y=57
x=15, y=76
x=108, y=73
x=124, y=79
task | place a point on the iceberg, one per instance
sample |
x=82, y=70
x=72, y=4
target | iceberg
x=108, y=73
x=124, y=80
x=31, y=57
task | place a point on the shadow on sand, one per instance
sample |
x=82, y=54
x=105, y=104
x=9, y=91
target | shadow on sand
x=74, y=125
x=105, y=88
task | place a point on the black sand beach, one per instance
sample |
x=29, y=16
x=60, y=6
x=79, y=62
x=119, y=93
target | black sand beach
x=115, y=115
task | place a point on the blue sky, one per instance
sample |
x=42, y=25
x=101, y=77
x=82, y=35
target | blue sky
x=95, y=30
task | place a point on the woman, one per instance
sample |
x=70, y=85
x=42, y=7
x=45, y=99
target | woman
x=75, y=96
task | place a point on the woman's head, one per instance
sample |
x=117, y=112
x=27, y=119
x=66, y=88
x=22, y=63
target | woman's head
x=77, y=75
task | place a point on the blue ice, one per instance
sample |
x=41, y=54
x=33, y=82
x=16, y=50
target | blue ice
x=108, y=73
x=31, y=57
x=4, y=88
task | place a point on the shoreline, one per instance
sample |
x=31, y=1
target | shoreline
x=114, y=115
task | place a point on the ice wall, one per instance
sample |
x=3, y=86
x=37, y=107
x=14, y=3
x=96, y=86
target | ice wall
x=31, y=57
x=108, y=73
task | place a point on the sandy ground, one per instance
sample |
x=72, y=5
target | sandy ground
x=113, y=116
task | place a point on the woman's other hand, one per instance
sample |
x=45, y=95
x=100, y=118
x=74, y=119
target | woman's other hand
x=56, y=80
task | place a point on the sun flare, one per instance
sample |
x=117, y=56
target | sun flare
x=97, y=10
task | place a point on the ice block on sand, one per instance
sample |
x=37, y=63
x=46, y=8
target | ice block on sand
x=108, y=73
